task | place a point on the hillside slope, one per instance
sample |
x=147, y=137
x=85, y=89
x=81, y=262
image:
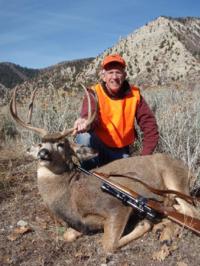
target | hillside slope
x=163, y=51
x=12, y=74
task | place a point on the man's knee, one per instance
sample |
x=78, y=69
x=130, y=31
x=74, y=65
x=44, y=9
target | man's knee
x=125, y=155
x=84, y=139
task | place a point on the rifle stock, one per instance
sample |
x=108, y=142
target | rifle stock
x=182, y=219
x=169, y=212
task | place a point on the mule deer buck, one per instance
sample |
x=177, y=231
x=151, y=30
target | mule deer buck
x=78, y=199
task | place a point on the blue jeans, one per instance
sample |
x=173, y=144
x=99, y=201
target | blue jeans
x=105, y=154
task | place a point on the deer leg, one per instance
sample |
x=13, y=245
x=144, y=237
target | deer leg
x=185, y=208
x=141, y=228
x=71, y=234
x=166, y=230
x=114, y=228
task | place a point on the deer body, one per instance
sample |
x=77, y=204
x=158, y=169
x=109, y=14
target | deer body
x=78, y=199
x=152, y=169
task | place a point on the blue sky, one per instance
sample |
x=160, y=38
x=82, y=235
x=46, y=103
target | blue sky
x=40, y=33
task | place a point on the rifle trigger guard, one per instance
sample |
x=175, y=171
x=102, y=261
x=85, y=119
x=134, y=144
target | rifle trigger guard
x=142, y=201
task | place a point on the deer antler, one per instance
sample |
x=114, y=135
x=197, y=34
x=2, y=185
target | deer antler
x=91, y=116
x=40, y=131
x=13, y=110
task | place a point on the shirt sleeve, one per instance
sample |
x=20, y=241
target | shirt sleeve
x=148, y=125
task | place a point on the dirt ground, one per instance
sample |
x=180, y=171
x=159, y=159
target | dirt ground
x=29, y=236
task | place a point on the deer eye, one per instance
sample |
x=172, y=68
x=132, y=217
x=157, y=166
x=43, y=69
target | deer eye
x=60, y=146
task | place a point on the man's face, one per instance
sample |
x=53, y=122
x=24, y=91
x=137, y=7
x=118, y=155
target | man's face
x=114, y=76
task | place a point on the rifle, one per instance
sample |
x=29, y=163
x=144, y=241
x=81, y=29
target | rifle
x=149, y=208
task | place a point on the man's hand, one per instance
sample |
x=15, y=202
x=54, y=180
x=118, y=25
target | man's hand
x=80, y=126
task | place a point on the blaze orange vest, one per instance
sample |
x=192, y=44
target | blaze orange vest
x=116, y=117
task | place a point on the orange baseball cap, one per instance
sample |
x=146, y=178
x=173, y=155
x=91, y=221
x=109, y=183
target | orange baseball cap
x=113, y=58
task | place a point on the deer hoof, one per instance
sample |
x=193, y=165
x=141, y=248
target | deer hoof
x=70, y=235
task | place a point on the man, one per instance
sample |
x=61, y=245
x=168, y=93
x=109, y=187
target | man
x=119, y=104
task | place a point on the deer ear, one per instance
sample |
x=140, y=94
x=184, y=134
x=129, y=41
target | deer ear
x=83, y=153
x=33, y=150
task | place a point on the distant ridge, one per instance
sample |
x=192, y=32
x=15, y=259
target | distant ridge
x=12, y=74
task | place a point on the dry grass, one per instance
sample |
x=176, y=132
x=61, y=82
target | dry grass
x=53, y=110
x=178, y=117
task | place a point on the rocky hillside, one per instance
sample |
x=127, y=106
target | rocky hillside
x=64, y=74
x=162, y=52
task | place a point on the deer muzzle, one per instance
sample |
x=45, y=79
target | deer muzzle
x=44, y=154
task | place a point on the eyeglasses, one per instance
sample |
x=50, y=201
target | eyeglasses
x=116, y=73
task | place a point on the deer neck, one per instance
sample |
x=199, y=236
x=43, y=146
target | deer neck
x=52, y=185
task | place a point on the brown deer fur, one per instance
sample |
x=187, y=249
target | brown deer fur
x=78, y=199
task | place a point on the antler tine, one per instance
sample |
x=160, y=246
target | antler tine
x=91, y=116
x=30, y=108
x=13, y=110
x=14, y=103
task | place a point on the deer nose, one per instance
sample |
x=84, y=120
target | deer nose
x=44, y=154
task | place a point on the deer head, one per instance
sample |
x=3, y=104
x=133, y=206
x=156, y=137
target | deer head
x=55, y=151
